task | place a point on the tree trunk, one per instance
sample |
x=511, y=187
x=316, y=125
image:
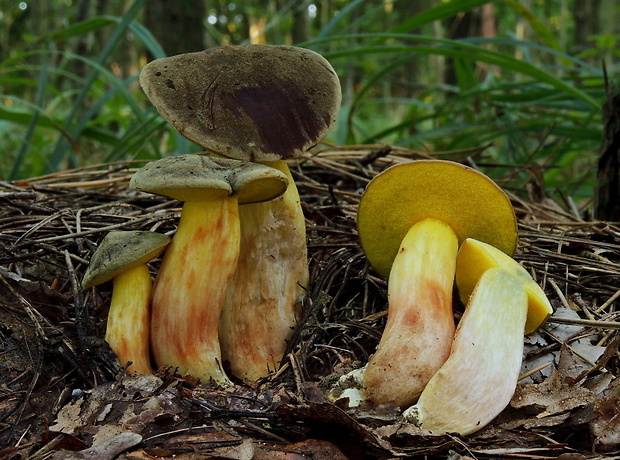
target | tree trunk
x=607, y=196
x=301, y=22
x=463, y=25
x=177, y=26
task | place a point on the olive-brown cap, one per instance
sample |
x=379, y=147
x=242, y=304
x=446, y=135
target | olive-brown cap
x=254, y=102
x=122, y=250
x=402, y=195
x=196, y=177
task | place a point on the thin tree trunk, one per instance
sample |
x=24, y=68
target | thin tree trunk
x=177, y=26
x=301, y=22
x=607, y=196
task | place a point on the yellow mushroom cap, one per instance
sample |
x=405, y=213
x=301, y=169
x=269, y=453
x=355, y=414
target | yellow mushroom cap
x=255, y=102
x=122, y=250
x=465, y=199
x=476, y=257
x=196, y=177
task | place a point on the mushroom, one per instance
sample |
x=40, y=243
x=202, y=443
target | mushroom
x=262, y=103
x=262, y=306
x=476, y=257
x=193, y=278
x=479, y=378
x=122, y=257
x=411, y=219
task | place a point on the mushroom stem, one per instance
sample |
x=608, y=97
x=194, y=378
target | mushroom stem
x=261, y=308
x=190, y=288
x=420, y=326
x=479, y=378
x=127, y=330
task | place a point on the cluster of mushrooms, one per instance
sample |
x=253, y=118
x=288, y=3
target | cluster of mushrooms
x=227, y=292
x=450, y=224
x=226, y=295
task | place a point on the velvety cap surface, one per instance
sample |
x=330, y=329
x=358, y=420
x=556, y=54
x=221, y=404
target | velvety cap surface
x=200, y=177
x=120, y=251
x=255, y=102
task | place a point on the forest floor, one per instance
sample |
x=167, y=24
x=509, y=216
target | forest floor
x=63, y=394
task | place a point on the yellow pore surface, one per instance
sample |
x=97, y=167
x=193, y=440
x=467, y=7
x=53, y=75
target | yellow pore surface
x=465, y=199
x=476, y=257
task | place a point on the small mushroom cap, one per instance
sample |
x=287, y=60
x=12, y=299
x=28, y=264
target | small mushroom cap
x=255, y=102
x=476, y=257
x=402, y=195
x=122, y=250
x=199, y=177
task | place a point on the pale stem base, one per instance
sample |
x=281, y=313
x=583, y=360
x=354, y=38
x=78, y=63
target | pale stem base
x=420, y=325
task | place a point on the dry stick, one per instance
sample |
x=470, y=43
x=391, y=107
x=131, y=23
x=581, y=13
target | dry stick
x=87, y=232
x=586, y=322
x=533, y=371
x=608, y=302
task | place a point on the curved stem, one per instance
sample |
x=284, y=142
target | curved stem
x=420, y=326
x=127, y=330
x=479, y=378
x=261, y=309
x=190, y=287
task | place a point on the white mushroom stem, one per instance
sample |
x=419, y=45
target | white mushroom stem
x=261, y=308
x=190, y=288
x=420, y=325
x=127, y=329
x=479, y=378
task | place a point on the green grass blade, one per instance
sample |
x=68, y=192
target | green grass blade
x=62, y=147
x=442, y=11
x=33, y=120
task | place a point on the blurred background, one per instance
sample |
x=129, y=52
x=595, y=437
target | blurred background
x=520, y=82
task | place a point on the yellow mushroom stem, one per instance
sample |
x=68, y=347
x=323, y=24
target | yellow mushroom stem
x=420, y=325
x=127, y=329
x=479, y=378
x=190, y=288
x=261, y=308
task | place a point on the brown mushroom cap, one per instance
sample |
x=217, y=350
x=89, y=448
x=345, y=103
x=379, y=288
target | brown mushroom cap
x=195, y=177
x=467, y=200
x=122, y=250
x=255, y=102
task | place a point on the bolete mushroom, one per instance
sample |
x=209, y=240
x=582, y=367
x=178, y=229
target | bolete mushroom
x=411, y=219
x=479, y=378
x=262, y=103
x=121, y=257
x=193, y=278
x=476, y=257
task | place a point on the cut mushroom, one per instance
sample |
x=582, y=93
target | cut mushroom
x=122, y=257
x=410, y=220
x=193, y=279
x=475, y=257
x=261, y=103
x=479, y=378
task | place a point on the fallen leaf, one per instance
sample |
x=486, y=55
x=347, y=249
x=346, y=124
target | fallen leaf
x=554, y=396
x=605, y=424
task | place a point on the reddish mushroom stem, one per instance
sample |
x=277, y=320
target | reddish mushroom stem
x=261, y=308
x=420, y=326
x=184, y=323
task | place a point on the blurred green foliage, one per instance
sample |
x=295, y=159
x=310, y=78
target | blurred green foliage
x=532, y=97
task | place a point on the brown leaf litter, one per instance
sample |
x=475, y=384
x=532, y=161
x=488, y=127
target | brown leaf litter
x=64, y=395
